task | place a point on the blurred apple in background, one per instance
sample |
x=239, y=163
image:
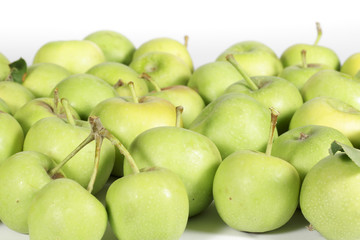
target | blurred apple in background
x=4, y=67
x=351, y=65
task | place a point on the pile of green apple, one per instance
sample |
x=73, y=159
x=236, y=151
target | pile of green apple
x=257, y=134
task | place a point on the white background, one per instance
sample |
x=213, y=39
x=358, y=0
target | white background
x=212, y=26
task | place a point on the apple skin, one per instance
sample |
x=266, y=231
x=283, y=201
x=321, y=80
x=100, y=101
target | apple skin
x=112, y=72
x=21, y=176
x=254, y=192
x=115, y=46
x=329, y=112
x=255, y=58
x=62, y=140
x=4, y=67
x=164, y=68
x=154, y=199
x=314, y=54
x=41, y=78
x=166, y=45
x=329, y=198
x=351, y=65
x=233, y=122
x=11, y=136
x=192, y=156
x=273, y=92
x=15, y=95
x=77, y=56
x=62, y=209
x=125, y=120
x=211, y=79
x=334, y=84
x=4, y=107
x=305, y=146
x=84, y=91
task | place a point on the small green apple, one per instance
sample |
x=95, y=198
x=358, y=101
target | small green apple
x=41, y=78
x=15, y=95
x=115, y=46
x=166, y=45
x=77, y=56
x=4, y=67
x=351, y=65
x=63, y=209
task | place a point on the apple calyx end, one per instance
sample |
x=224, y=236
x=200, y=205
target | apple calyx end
x=303, y=136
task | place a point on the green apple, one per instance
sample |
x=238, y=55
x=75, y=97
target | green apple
x=84, y=91
x=166, y=45
x=256, y=58
x=234, y=121
x=211, y=79
x=255, y=192
x=40, y=108
x=113, y=72
x=15, y=95
x=330, y=194
x=127, y=119
x=4, y=67
x=165, y=68
x=62, y=209
x=299, y=74
x=115, y=46
x=271, y=91
x=334, y=84
x=57, y=138
x=192, y=156
x=41, y=78
x=3, y=106
x=330, y=112
x=21, y=176
x=77, y=56
x=314, y=54
x=11, y=136
x=305, y=146
x=151, y=204
x=351, y=65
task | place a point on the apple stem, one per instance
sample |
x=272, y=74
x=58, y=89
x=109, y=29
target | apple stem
x=230, y=58
x=274, y=117
x=303, y=58
x=152, y=81
x=56, y=101
x=118, y=84
x=179, y=111
x=186, y=40
x=303, y=136
x=66, y=105
x=319, y=33
x=133, y=92
x=98, y=143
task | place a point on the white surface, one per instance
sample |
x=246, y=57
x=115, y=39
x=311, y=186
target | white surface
x=212, y=26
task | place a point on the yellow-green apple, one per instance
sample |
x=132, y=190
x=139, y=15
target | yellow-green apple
x=15, y=95
x=4, y=67
x=3, y=106
x=351, y=65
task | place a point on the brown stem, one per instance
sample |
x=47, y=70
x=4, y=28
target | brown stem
x=319, y=33
x=186, y=41
x=274, y=117
x=147, y=77
x=98, y=143
x=133, y=92
x=179, y=111
x=118, y=84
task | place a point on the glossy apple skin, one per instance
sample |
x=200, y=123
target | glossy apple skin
x=63, y=209
x=4, y=67
x=21, y=176
x=15, y=95
x=334, y=84
x=305, y=146
x=211, y=79
x=273, y=92
x=329, y=198
x=192, y=156
x=351, y=65
x=314, y=54
x=125, y=120
x=11, y=136
x=115, y=46
x=77, y=56
x=112, y=72
x=154, y=199
x=233, y=122
x=41, y=78
x=254, y=192
x=62, y=140
x=329, y=112
x=84, y=91
x=164, y=68
x=3, y=106
x=167, y=45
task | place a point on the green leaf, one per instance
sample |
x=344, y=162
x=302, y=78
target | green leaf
x=351, y=152
x=18, y=70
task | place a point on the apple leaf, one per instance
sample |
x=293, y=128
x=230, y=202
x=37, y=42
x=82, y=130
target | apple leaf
x=18, y=70
x=351, y=152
